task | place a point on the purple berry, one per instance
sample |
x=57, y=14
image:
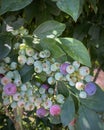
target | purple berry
x=45, y=86
x=10, y=89
x=41, y=112
x=90, y=88
x=63, y=68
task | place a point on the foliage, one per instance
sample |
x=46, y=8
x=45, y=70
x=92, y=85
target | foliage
x=70, y=30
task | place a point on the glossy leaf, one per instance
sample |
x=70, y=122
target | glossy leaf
x=62, y=89
x=76, y=50
x=49, y=29
x=13, y=5
x=88, y=120
x=68, y=111
x=51, y=45
x=26, y=73
x=96, y=101
x=71, y=7
x=5, y=45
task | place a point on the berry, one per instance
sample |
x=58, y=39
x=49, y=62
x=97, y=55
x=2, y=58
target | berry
x=58, y=76
x=63, y=68
x=30, y=61
x=29, y=51
x=13, y=65
x=5, y=80
x=76, y=64
x=90, y=88
x=41, y=90
x=47, y=104
x=10, y=75
x=70, y=69
x=55, y=66
x=50, y=91
x=16, y=97
x=88, y=78
x=22, y=59
x=55, y=110
x=79, y=85
x=41, y=112
x=47, y=53
x=51, y=80
x=84, y=71
x=83, y=94
x=10, y=89
x=45, y=86
x=60, y=98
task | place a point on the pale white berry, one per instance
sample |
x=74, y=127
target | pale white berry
x=30, y=61
x=83, y=94
x=29, y=106
x=51, y=80
x=23, y=87
x=88, y=78
x=29, y=51
x=60, y=98
x=41, y=90
x=51, y=91
x=79, y=85
x=16, y=97
x=58, y=76
x=10, y=74
x=47, y=104
x=84, y=71
x=76, y=64
x=21, y=103
x=22, y=59
x=38, y=102
x=13, y=105
x=70, y=69
x=13, y=65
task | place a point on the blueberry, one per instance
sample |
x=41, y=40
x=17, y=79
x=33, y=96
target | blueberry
x=63, y=68
x=90, y=88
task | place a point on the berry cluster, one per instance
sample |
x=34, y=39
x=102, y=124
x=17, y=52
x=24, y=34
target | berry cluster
x=41, y=96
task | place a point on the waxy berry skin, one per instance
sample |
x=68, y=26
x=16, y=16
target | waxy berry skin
x=10, y=89
x=41, y=112
x=90, y=88
x=63, y=68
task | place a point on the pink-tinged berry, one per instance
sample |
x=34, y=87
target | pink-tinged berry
x=90, y=88
x=63, y=68
x=10, y=89
x=5, y=80
x=41, y=112
x=55, y=110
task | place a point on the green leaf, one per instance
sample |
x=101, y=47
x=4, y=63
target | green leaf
x=68, y=111
x=95, y=102
x=51, y=45
x=71, y=7
x=88, y=120
x=62, y=89
x=49, y=29
x=26, y=73
x=76, y=50
x=13, y=5
x=5, y=45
